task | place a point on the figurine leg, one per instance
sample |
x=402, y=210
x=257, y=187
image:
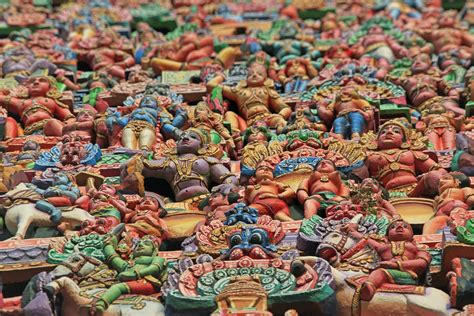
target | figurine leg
x=283, y=217
x=289, y=86
x=53, y=128
x=160, y=64
x=48, y=208
x=357, y=125
x=129, y=140
x=147, y=139
x=375, y=280
x=434, y=139
x=311, y=207
x=302, y=86
x=449, y=140
x=112, y=294
x=11, y=128
x=341, y=126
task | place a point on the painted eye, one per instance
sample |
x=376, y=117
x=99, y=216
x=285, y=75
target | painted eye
x=256, y=238
x=235, y=240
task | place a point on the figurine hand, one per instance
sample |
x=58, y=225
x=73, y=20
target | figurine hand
x=111, y=240
x=127, y=276
x=223, y=188
x=50, y=192
x=268, y=196
x=388, y=265
x=351, y=227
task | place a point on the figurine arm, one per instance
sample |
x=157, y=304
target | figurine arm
x=227, y=91
x=351, y=230
x=156, y=267
x=12, y=104
x=286, y=193
x=113, y=259
x=326, y=112
x=418, y=265
x=467, y=39
x=220, y=174
x=277, y=104
x=63, y=113
x=120, y=205
x=302, y=192
x=469, y=196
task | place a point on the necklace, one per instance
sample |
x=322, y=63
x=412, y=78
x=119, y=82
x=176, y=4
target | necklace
x=398, y=248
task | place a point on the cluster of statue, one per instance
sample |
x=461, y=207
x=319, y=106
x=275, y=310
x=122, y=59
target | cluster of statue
x=232, y=157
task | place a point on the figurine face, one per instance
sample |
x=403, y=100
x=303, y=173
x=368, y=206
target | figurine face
x=85, y=116
x=189, y=142
x=399, y=230
x=251, y=242
x=217, y=199
x=391, y=136
x=201, y=111
x=241, y=213
x=149, y=102
x=446, y=20
x=375, y=30
x=256, y=76
x=60, y=178
x=107, y=189
x=38, y=86
x=264, y=173
x=145, y=247
x=30, y=145
x=446, y=182
x=105, y=40
x=421, y=63
x=147, y=203
x=370, y=183
x=326, y=166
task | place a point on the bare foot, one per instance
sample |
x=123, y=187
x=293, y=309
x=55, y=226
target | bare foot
x=367, y=291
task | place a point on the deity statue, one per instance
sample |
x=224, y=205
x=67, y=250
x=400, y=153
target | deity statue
x=145, y=219
x=39, y=109
x=379, y=46
x=89, y=124
x=447, y=35
x=303, y=118
x=268, y=196
x=296, y=75
x=353, y=113
x=322, y=189
x=105, y=205
x=401, y=260
x=203, y=118
x=139, y=275
x=140, y=126
x=395, y=160
x=424, y=82
x=190, y=169
x=104, y=52
x=455, y=196
x=21, y=61
x=439, y=126
x=254, y=97
x=62, y=193
x=373, y=198
x=225, y=58
x=218, y=204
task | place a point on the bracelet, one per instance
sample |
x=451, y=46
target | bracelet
x=8, y=101
x=399, y=264
x=111, y=257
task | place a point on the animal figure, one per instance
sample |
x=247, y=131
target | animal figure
x=23, y=213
